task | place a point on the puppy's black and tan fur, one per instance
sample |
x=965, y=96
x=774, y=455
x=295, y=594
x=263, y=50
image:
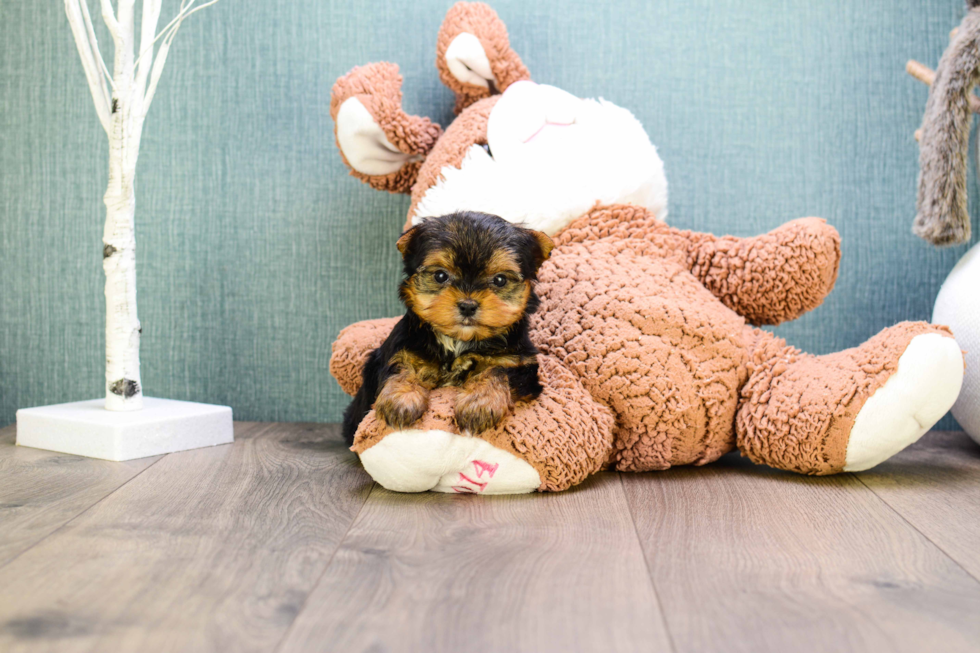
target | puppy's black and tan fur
x=469, y=288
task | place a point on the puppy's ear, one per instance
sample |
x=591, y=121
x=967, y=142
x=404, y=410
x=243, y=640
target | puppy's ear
x=406, y=240
x=545, y=245
x=473, y=54
x=381, y=144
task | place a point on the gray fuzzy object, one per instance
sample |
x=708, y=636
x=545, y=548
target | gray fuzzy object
x=942, y=216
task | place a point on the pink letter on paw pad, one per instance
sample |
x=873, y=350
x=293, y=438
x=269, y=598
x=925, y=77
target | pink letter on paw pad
x=464, y=477
x=482, y=466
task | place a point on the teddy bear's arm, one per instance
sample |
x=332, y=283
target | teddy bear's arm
x=353, y=346
x=771, y=278
x=767, y=279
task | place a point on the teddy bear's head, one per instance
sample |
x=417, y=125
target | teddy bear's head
x=528, y=152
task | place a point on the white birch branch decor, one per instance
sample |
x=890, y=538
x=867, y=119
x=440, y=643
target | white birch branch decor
x=122, y=100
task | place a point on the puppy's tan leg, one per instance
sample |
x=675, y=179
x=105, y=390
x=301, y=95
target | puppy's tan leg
x=405, y=395
x=402, y=400
x=483, y=401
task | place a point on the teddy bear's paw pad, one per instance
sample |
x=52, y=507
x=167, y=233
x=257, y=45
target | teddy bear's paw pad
x=417, y=461
x=915, y=397
x=468, y=62
x=364, y=142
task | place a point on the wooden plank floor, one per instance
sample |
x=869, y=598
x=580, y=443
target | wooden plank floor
x=281, y=543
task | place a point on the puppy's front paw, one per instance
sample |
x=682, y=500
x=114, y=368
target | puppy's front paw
x=400, y=409
x=478, y=420
x=481, y=408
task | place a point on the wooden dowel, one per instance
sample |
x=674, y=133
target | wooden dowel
x=921, y=72
x=927, y=76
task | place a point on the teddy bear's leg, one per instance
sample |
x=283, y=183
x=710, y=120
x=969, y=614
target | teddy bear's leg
x=381, y=144
x=420, y=460
x=550, y=444
x=473, y=54
x=850, y=410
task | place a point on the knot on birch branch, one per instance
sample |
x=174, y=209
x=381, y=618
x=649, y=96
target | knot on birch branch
x=125, y=388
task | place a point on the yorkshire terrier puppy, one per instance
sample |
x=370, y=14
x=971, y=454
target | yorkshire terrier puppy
x=469, y=289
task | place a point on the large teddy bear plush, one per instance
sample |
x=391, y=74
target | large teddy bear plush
x=648, y=353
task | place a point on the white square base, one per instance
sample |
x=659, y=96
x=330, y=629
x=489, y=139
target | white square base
x=86, y=428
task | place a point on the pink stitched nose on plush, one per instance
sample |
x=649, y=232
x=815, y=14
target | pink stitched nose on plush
x=524, y=112
x=546, y=124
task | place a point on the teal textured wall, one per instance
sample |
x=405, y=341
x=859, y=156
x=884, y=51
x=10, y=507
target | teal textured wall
x=255, y=248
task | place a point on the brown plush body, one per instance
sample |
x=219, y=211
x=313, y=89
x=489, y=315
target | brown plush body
x=648, y=353
x=685, y=379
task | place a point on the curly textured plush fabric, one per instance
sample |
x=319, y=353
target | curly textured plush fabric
x=378, y=86
x=772, y=278
x=482, y=22
x=768, y=279
x=797, y=409
x=625, y=315
x=351, y=349
x=648, y=356
x=565, y=435
x=649, y=341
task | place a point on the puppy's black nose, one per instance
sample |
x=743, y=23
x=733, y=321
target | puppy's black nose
x=467, y=307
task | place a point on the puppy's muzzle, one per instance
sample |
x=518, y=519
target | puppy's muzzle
x=467, y=307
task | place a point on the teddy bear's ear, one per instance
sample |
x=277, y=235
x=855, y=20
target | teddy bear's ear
x=473, y=54
x=382, y=145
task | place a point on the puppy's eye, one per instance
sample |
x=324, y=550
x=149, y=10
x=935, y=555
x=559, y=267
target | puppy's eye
x=441, y=276
x=486, y=148
x=499, y=281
